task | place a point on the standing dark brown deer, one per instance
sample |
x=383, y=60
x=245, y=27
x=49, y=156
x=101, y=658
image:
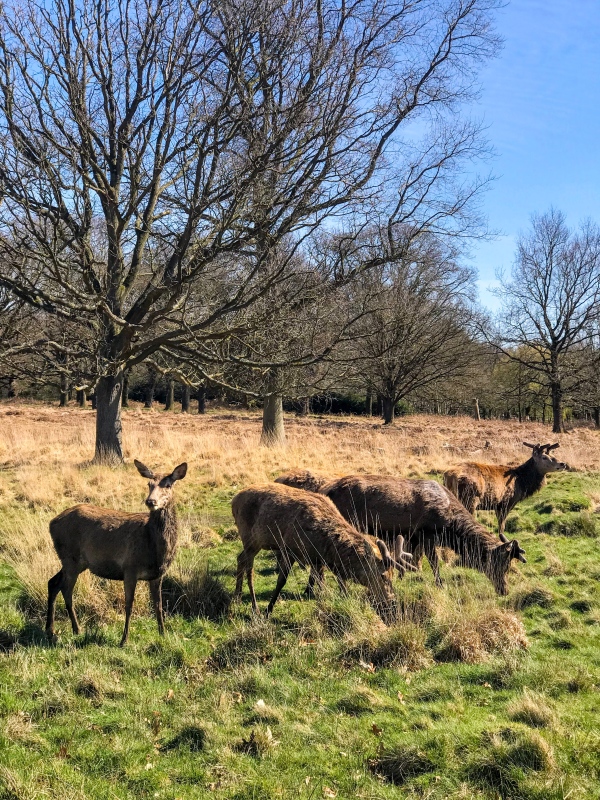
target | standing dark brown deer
x=500, y=488
x=427, y=515
x=307, y=528
x=117, y=545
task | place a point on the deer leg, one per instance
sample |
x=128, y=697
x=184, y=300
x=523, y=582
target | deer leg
x=67, y=585
x=250, y=579
x=129, y=582
x=285, y=565
x=156, y=596
x=434, y=562
x=53, y=590
x=501, y=515
x=417, y=548
x=316, y=577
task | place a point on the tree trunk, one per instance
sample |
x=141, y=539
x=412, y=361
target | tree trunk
x=389, y=408
x=81, y=398
x=273, y=432
x=369, y=403
x=12, y=387
x=185, y=399
x=64, y=391
x=304, y=407
x=477, y=414
x=202, y=399
x=170, y=403
x=125, y=398
x=109, y=445
x=557, y=410
x=148, y=402
x=597, y=416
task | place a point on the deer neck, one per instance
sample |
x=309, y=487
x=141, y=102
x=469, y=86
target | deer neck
x=162, y=530
x=528, y=479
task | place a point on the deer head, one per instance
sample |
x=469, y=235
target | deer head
x=160, y=486
x=498, y=561
x=542, y=459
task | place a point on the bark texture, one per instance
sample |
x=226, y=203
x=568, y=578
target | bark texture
x=109, y=443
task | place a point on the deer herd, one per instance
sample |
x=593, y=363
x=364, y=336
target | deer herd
x=363, y=528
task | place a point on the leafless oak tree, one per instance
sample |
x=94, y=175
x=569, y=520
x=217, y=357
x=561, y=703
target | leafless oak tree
x=415, y=334
x=551, y=305
x=144, y=142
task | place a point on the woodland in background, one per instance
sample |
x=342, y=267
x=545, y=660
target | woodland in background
x=270, y=203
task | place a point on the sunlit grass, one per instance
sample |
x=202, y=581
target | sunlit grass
x=466, y=696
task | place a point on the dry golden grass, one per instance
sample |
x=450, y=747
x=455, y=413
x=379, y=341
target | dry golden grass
x=45, y=452
x=43, y=449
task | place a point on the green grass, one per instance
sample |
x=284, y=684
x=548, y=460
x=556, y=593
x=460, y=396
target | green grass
x=318, y=701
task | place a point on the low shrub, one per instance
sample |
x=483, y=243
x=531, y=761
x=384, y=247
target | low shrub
x=473, y=639
x=401, y=645
x=401, y=763
x=193, y=591
x=504, y=757
x=531, y=709
x=532, y=596
x=252, y=642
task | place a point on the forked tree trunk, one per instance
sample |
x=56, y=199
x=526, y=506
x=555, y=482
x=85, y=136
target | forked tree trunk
x=125, y=399
x=389, y=408
x=273, y=432
x=170, y=403
x=109, y=445
x=185, y=399
x=202, y=400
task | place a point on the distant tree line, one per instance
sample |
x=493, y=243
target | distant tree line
x=268, y=204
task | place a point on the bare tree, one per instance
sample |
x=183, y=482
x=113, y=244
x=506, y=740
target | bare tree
x=415, y=333
x=143, y=142
x=551, y=303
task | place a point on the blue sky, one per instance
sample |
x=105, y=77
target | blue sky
x=540, y=101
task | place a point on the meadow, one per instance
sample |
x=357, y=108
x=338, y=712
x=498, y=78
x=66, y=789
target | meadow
x=468, y=695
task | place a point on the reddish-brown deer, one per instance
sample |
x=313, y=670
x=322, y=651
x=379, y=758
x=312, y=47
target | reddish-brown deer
x=499, y=488
x=308, y=528
x=117, y=545
x=426, y=514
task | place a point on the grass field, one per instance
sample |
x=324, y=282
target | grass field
x=467, y=696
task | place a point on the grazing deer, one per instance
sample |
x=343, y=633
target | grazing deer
x=307, y=528
x=428, y=516
x=117, y=545
x=500, y=488
x=302, y=479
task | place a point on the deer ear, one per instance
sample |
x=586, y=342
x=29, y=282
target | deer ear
x=179, y=472
x=517, y=552
x=533, y=446
x=143, y=470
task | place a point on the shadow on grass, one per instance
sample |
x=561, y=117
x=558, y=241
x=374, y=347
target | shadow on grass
x=30, y=635
x=190, y=738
